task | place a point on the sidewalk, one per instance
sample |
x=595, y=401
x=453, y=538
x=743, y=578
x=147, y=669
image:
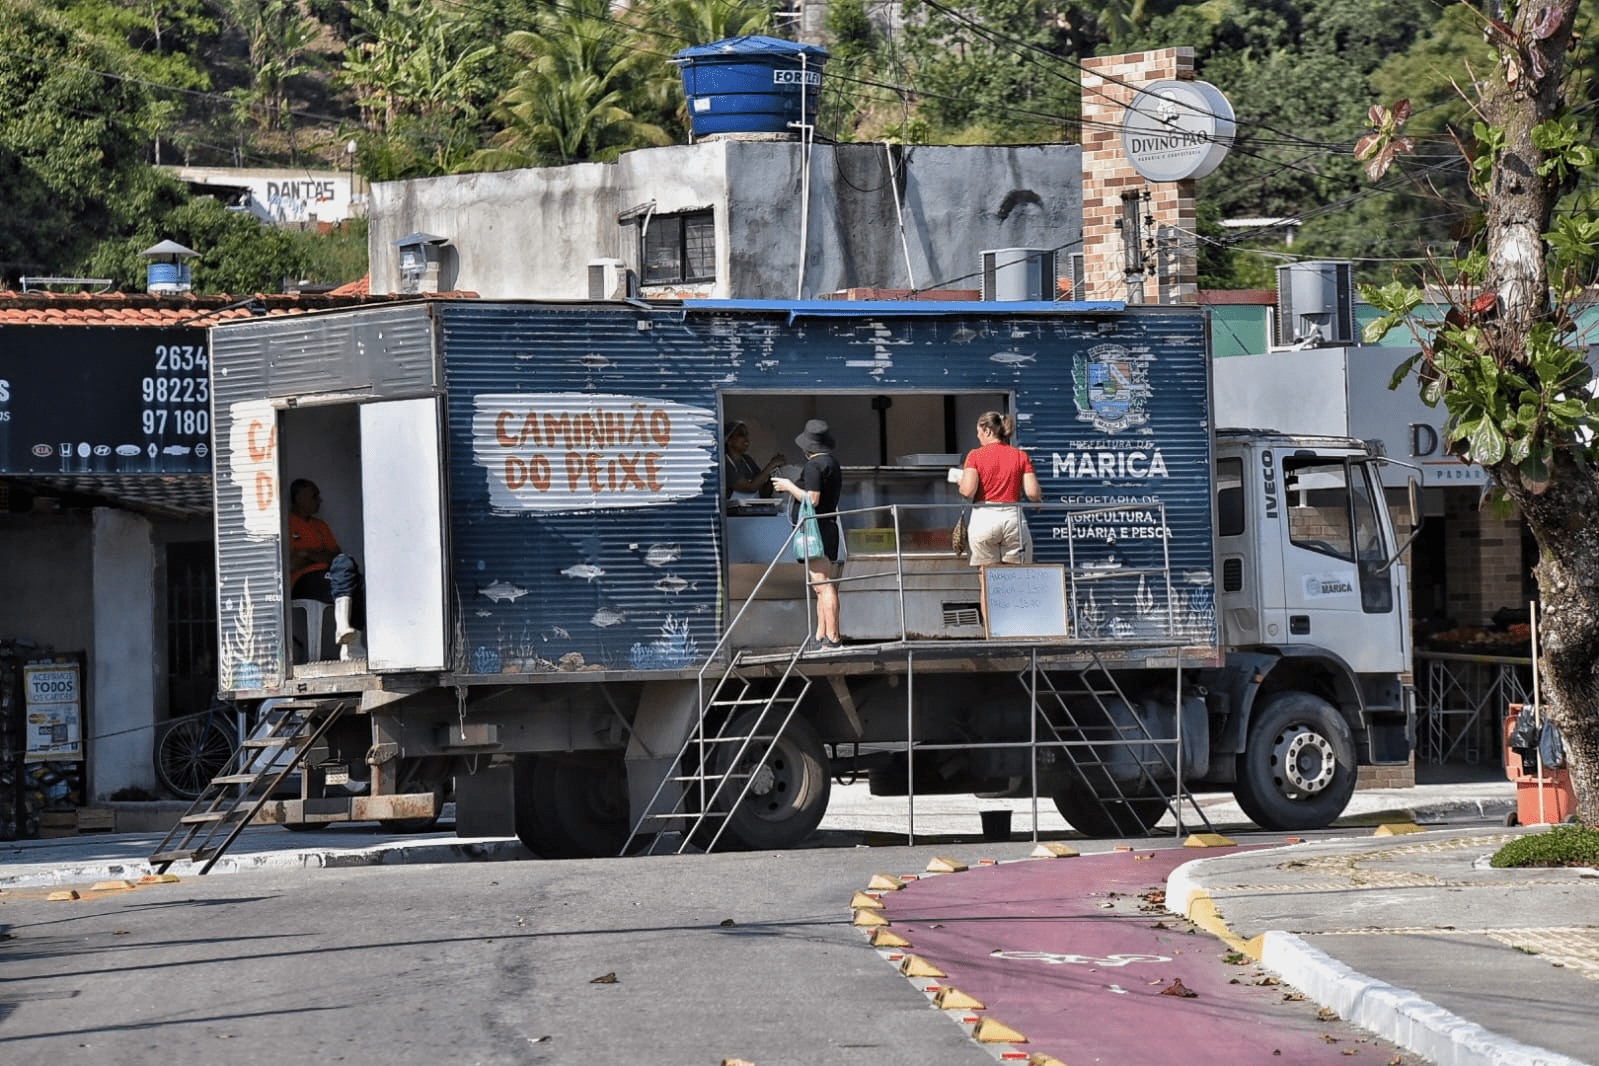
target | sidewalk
x=1418, y=939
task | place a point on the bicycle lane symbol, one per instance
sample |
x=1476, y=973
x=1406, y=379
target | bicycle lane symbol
x=1053, y=959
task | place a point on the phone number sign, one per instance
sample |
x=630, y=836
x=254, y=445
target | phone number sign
x=103, y=400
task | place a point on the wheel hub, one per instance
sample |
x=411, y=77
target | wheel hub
x=763, y=780
x=1305, y=760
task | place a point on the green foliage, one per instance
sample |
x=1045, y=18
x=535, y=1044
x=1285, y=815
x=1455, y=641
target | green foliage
x=73, y=142
x=575, y=97
x=419, y=73
x=1567, y=151
x=237, y=253
x=1520, y=409
x=1562, y=845
x=997, y=65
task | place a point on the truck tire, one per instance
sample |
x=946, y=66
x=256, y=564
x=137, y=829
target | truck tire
x=1297, y=770
x=1108, y=816
x=572, y=807
x=786, y=800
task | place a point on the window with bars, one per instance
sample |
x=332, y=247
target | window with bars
x=679, y=248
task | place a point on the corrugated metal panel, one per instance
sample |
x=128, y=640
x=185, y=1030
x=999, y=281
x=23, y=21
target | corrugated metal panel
x=585, y=507
x=583, y=536
x=386, y=352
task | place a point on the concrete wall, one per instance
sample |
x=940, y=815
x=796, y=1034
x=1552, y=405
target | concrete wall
x=122, y=657
x=531, y=233
x=83, y=581
x=46, y=583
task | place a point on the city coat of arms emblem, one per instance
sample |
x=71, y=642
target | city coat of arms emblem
x=1111, y=387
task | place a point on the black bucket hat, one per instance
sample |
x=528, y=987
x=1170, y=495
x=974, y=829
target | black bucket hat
x=816, y=438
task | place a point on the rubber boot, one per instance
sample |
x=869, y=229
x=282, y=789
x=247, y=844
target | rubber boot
x=355, y=649
x=343, y=632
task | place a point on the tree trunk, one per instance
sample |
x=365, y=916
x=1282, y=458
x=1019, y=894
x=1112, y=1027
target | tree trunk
x=1564, y=515
x=1563, y=521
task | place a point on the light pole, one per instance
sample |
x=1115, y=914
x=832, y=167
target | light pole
x=349, y=155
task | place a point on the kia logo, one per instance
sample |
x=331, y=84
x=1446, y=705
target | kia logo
x=43, y=451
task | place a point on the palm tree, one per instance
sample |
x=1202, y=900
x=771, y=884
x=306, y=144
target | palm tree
x=579, y=96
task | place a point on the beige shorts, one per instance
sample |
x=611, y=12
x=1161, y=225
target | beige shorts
x=998, y=534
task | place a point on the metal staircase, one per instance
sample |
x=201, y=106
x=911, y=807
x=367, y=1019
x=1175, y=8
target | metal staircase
x=1097, y=748
x=263, y=761
x=724, y=757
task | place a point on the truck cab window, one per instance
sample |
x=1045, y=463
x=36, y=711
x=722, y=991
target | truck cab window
x=1229, y=497
x=1318, y=507
x=1332, y=511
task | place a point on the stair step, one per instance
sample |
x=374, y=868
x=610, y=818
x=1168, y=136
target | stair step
x=208, y=817
x=171, y=856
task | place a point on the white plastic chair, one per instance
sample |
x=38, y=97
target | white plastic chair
x=313, y=613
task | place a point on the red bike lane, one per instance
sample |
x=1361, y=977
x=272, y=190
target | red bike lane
x=1079, y=956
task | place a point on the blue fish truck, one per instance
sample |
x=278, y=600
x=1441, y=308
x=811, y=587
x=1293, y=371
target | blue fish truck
x=583, y=624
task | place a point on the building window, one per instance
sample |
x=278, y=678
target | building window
x=679, y=248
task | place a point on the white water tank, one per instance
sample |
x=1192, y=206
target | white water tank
x=1315, y=304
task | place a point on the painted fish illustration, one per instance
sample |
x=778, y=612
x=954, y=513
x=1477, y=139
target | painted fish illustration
x=964, y=335
x=672, y=583
x=586, y=571
x=659, y=555
x=595, y=361
x=606, y=617
x=1197, y=577
x=557, y=633
x=503, y=590
x=1011, y=357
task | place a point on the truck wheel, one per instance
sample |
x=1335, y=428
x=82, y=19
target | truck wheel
x=572, y=807
x=1297, y=770
x=787, y=796
x=1109, y=816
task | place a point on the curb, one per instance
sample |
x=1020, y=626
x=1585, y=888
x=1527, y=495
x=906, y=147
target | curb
x=1394, y=1013
x=484, y=850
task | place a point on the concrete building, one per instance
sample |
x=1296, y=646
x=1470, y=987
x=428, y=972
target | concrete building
x=747, y=219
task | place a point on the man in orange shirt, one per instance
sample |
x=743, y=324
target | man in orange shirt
x=320, y=570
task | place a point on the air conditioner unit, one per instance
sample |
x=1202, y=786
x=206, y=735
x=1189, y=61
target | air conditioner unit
x=609, y=279
x=1315, y=305
x=1012, y=274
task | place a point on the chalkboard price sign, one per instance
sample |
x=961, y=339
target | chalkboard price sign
x=1024, y=601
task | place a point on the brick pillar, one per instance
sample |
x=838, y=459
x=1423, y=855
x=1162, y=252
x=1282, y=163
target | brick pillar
x=1170, y=270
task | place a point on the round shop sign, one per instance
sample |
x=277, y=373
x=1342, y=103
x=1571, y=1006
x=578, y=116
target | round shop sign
x=1177, y=129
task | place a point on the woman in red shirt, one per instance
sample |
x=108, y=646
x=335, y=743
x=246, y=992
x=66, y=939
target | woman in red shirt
x=996, y=478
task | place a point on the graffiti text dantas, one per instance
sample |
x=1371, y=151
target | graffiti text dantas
x=582, y=451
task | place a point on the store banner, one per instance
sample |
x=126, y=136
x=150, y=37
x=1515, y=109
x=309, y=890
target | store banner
x=92, y=400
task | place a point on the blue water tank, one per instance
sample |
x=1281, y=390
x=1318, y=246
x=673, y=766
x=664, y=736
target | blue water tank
x=165, y=278
x=751, y=84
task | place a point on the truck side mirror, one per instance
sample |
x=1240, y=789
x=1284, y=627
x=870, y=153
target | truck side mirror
x=1417, y=518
